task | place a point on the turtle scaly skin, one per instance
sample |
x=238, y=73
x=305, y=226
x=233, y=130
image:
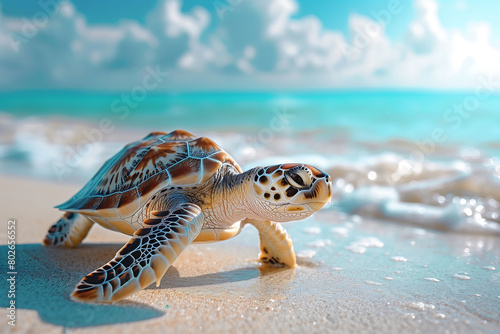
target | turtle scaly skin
x=169, y=190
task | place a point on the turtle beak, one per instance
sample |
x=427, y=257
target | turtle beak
x=320, y=194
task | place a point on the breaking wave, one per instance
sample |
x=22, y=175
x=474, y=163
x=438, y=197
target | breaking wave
x=456, y=189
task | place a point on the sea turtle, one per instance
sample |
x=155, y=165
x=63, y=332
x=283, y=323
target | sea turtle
x=169, y=190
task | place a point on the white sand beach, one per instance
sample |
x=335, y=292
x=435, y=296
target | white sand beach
x=366, y=276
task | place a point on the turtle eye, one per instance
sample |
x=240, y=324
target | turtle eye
x=298, y=179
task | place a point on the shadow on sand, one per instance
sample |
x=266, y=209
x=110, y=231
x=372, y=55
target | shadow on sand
x=46, y=277
x=173, y=280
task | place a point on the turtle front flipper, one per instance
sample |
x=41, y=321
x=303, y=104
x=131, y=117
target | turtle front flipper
x=69, y=231
x=276, y=246
x=145, y=258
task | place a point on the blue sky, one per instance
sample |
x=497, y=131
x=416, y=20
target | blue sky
x=334, y=14
x=276, y=44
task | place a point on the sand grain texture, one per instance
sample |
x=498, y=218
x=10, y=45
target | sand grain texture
x=216, y=288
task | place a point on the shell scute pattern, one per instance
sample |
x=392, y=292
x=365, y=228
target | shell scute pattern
x=128, y=197
x=187, y=172
x=178, y=135
x=131, y=177
x=202, y=147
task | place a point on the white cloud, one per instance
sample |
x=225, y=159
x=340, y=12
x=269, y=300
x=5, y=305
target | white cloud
x=449, y=58
x=177, y=33
x=134, y=48
x=257, y=44
x=425, y=33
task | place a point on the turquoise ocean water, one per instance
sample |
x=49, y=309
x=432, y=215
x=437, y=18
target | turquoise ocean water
x=366, y=116
x=427, y=157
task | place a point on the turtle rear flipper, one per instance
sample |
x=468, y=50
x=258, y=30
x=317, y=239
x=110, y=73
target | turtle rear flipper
x=145, y=258
x=69, y=231
x=276, y=246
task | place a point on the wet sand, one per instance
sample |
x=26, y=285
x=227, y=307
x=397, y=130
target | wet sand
x=355, y=275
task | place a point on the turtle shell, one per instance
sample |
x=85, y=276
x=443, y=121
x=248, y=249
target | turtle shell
x=131, y=177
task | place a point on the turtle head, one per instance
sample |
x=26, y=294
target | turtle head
x=290, y=191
